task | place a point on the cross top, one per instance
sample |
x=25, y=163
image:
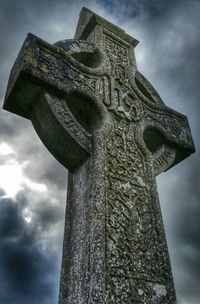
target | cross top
x=102, y=119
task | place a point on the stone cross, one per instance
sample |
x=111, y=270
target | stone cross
x=101, y=118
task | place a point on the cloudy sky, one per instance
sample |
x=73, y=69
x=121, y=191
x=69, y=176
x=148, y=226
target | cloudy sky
x=33, y=183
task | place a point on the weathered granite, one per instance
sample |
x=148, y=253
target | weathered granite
x=105, y=122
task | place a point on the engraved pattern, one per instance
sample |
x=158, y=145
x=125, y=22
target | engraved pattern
x=118, y=56
x=53, y=68
x=124, y=103
x=71, y=125
x=136, y=257
x=75, y=45
x=164, y=159
x=136, y=253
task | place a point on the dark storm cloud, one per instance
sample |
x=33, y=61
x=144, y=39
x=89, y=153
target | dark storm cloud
x=186, y=236
x=29, y=271
x=130, y=9
x=180, y=204
x=19, y=134
x=44, y=168
x=6, y=125
x=53, y=20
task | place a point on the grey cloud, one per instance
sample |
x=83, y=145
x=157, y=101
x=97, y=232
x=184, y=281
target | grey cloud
x=29, y=272
x=48, y=19
x=43, y=168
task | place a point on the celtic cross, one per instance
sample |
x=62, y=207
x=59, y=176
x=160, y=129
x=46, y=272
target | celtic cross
x=103, y=121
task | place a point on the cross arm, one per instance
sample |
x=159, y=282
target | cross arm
x=42, y=64
x=41, y=78
x=166, y=132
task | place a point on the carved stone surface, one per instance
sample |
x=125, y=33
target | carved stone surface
x=106, y=123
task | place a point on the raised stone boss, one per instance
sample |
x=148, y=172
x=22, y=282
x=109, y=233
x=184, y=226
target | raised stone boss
x=104, y=122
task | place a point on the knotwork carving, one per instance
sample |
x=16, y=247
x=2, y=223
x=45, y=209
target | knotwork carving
x=135, y=254
x=61, y=71
x=75, y=46
x=64, y=116
x=118, y=56
x=125, y=103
